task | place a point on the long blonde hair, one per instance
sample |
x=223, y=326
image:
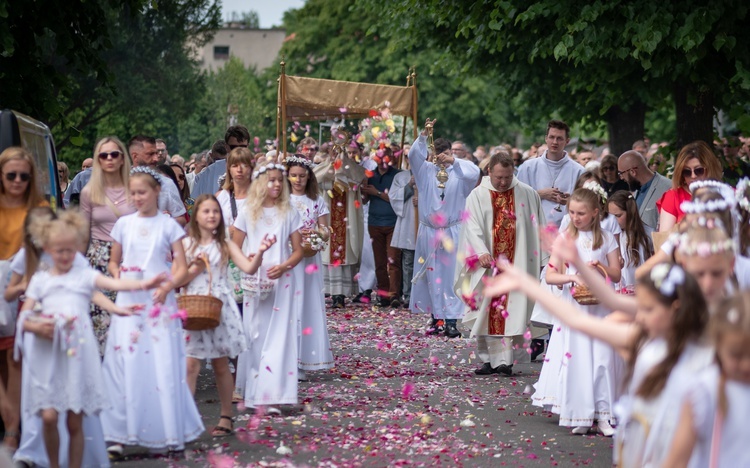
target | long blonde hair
x=259, y=189
x=33, y=196
x=95, y=186
x=592, y=200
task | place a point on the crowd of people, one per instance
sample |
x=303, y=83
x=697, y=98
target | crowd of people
x=630, y=284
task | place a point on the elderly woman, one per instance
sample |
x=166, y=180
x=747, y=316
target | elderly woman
x=696, y=161
x=103, y=201
x=19, y=192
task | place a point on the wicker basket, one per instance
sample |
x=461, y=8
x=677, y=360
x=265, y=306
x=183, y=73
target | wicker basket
x=307, y=250
x=203, y=312
x=583, y=295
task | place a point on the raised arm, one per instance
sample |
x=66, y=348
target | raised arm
x=250, y=265
x=618, y=335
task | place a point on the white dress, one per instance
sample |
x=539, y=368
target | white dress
x=733, y=435
x=315, y=347
x=267, y=371
x=144, y=363
x=31, y=448
x=580, y=378
x=627, y=281
x=66, y=374
x=366, y=279
x=228, y=338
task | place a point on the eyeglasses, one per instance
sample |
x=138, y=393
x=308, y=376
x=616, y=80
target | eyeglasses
x=231, y=147
x=12, y=176
x=160, y=151
x=111, y=155
x=697, y=172
x=609, y=168
x=620, y=173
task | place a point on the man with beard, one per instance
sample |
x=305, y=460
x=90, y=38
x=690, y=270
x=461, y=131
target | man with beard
x=648, y=185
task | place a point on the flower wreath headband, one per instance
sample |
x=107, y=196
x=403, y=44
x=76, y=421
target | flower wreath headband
x=146, y=170
x=667, y=277
x=304, y=161
x=268, y=167
x=740, y=193
x=597, y=189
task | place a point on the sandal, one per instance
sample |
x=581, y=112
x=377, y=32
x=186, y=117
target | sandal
x=221, y=431
x=236, y=397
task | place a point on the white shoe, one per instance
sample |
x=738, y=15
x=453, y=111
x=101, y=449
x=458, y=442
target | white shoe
x=301, y=376
x=605, y=428
x=272, y=410
x=581, y=430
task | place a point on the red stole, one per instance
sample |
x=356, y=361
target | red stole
x=337, y=248
x=503, y=243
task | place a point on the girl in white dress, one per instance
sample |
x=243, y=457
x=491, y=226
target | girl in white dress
x=267, y=372
x=713, y=430
x=579, y=378
x=635, y=242
x=663, y=346
x=206, y=241
x=315, y=347
x=144, y=362
x=66, y=375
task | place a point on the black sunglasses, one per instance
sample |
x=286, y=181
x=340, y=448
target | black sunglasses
x=231, y=147
x=111, y=155
x=697, y=172
x=609, y=168
x=24, y=176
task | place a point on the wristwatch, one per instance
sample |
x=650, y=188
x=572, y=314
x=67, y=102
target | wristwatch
x=379, y=193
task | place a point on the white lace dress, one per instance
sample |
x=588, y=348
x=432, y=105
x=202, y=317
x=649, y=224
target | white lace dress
x=227, y=339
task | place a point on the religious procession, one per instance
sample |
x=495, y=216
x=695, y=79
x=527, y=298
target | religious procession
x=364, y=288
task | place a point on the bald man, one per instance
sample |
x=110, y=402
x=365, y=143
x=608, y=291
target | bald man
x=648, y=185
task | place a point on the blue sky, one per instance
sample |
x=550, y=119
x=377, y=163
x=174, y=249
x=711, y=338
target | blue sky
x=270, y=12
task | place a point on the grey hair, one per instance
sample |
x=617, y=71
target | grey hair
x=204, y=157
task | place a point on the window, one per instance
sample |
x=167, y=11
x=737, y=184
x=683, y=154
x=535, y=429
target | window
x=221, y=52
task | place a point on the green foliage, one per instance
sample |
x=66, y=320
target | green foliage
x=330, y=40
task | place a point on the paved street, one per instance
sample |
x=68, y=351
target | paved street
x=395, y=398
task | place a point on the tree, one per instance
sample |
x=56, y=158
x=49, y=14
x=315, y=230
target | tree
x=248, y=19
x=325, y=41
x=614, y=56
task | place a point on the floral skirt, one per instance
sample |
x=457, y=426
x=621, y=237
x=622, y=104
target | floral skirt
x=98, y=255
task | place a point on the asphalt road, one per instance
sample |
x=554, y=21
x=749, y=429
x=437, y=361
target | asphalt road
x=395, y=398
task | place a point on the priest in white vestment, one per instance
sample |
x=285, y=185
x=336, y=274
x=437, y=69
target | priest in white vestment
x=440, y=216
x=503, y=219
x=339, y=179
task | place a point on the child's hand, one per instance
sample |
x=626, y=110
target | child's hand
x=565, y=248
x=275, y=272
x=509, y=279
x=199, y=262
x=159, y=295
x=128, y=310
x=305, y=231
x=44, y=329
x=266, y=243
x=154, y=281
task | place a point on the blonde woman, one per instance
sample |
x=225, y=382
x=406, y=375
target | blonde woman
x=103, y=201
x=63, y=175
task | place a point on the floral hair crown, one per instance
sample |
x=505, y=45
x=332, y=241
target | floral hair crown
x=597, y=189
x=667, y=277
x=712, y=206
x=704, y=249
x=297, y=160
x=268, y=167
x=741, y=194
x=146, y=170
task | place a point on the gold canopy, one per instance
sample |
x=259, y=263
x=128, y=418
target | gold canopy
x=306, y=99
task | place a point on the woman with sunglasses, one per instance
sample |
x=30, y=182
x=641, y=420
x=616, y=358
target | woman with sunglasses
x=105, y=199
x=611, y=182
x=183, y=188
x=696, y=161
x=19, y=192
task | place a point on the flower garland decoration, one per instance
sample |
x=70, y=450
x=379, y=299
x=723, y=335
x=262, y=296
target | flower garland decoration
x=666, y=278
x=597, y=189
x=146, y=170
x=377, y=133
x=268, y=167
x=741, y=194
x=294, y=159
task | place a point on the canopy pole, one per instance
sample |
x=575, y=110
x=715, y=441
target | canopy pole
x=403, y=127
x=282, y=99
x=415, y=100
